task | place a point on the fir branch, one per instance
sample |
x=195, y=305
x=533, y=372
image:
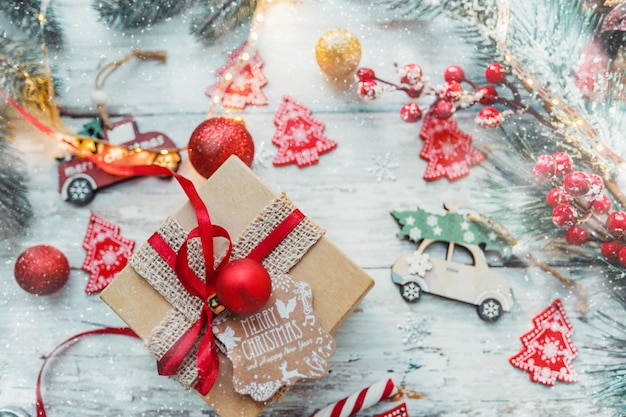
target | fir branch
x=214, y=18
x=612, y=344
x=23, y=15
x=135, y=14
x=15, y=209
x=22, y=74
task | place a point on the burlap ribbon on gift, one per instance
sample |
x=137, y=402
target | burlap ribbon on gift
x=185, y=307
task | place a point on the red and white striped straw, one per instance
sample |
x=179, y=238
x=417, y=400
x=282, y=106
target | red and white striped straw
x=358, y=401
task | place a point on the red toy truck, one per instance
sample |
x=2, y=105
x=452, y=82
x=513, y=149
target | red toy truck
x=79, y=178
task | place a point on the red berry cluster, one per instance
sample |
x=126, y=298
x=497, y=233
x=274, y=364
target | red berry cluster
x=449, y=97
x=580, y=206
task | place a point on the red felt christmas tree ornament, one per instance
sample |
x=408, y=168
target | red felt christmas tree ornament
x=215, y=140
x=41, y=270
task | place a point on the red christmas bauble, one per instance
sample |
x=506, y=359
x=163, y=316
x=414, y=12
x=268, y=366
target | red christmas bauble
x=243, y=286
x=215, y=140
x=41, y=270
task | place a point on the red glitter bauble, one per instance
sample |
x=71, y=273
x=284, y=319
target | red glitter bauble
x=215, y=140
x=243, y=286
x=41, y=270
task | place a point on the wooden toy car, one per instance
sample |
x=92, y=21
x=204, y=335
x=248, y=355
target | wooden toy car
x=79, y=178
x=456, y=271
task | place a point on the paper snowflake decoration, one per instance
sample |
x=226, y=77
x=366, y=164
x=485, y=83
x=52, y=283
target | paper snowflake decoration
x=414, y=329
x=299, y=137
x=419, y=264
x=548, y=349
x=107, y=253
x=448, y=150
x=384, y=167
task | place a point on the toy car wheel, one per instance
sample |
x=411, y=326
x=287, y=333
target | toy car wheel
x=410, y=291
x=490, y=310
x=80, y=191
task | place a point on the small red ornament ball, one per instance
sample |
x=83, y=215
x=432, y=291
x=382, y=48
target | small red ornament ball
x=488, y=117
x=41, y=270
x=495, y=73
x=544, y=169
x=610, y=250
x=576, y=183
x=365, y=74
x=410, y=112
x=215, y=140
x=621, y=256
x=488, y=95
x=443, y=109
x=564, y=215
x=453, y=91
x=556, y=197
x=616, y=223
x=243, y=286
x=563, y=163
x=576, y=235
x=602, y=205
x=454, y=73
x=411, y=74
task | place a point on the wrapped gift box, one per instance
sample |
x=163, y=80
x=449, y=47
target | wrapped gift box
x=235, y=196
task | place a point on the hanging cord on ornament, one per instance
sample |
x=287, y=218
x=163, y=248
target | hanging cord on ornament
x=246, y=54
x=99, y=96
x=120, y=331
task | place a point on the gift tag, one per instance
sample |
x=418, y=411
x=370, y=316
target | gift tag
x=277, y=346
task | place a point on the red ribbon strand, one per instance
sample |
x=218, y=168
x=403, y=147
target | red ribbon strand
x=122, y=331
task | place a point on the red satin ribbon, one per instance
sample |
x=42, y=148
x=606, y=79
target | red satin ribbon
x=122, y=331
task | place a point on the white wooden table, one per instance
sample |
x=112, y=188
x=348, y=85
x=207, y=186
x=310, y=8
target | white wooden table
x=456, y=365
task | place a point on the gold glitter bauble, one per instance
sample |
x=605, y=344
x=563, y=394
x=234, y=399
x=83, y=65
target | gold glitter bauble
x=338, y=52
